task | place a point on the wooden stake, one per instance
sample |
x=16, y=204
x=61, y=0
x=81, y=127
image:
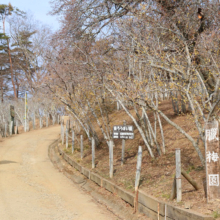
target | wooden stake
x=81, y=146
x=67, y=139
x=16, y=127
x=72, y=141
x=40, y=122
x=11, y=128
x=118, y=106
x=34, y=121
x=138, y=171
x=158, y=211
x=178, y=176
x=111, y=158
x=25, y=117
x=165, y=217
x=173, y=193
x=93, y=153
x=62, y=133
x=5, y=130
x=138, y=175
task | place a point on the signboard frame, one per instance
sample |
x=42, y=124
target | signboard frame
x=125, y=132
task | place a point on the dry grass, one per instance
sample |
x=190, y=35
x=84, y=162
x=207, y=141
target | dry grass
x=156, y=174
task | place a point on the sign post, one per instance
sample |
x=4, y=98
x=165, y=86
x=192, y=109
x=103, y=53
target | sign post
x=212, y=160
x=123, y=147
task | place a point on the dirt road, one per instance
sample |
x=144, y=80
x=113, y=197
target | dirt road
x=31, y=188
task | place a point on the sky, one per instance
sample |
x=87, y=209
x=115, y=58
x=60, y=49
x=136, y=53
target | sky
x=39, y=9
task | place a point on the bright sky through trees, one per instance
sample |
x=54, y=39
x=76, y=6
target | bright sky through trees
x=39, y=9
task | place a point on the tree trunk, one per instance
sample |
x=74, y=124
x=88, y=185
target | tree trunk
x=11, y=68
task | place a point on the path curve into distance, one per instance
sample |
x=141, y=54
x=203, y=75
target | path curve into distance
x=32, y=189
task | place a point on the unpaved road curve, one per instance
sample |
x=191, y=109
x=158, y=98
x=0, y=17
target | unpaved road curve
x=31, y=188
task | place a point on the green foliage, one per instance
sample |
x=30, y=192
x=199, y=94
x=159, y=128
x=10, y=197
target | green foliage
x=216, y=214
x=199, y=168
x=190, y=168
x=3, y=42
x=6, y=10
x=166, y=196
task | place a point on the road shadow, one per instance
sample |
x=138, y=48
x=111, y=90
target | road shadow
x=6, y=162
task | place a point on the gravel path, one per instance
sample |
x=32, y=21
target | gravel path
x=31, y=188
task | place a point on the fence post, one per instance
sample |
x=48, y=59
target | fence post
x=47, y=121
x=178, y=176
x=93, y=153
x=5, y=130
x=61, y=129
x=16, y=127
x=81, y=137
x=69, y=124
x=67, y=138
x=62, y=133
x=11, y=128
x=72, y=141
x=123, y=148
x=66, y=124
x=118, y=106
x=138, y=175
x=111, y=158
x=34, y=121
x=28, y=126
x=138, y=171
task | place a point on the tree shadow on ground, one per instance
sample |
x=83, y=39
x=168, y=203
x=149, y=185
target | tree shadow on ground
x=6, y=162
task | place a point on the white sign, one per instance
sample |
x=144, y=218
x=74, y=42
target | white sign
x=123, y=132
x=212, y=156
x=212, y=160
x=211, y=134
x=213, y=179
